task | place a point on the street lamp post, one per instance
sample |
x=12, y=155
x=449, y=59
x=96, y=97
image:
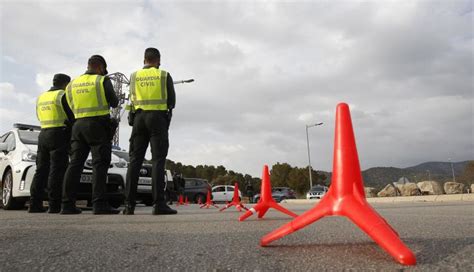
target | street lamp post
x=309, y=157
x=452, y=169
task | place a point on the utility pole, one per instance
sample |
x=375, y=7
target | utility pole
x=452, y=170
x=309, y=156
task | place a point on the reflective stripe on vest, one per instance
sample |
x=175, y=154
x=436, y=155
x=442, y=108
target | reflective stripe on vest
x=49, y=109
x=86, y=96
x=148, y=89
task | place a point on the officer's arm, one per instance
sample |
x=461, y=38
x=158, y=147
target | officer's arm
x=67, y=109
x=110, y=95
x=171, y=92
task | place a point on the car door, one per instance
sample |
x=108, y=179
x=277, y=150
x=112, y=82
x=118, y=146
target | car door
x=229, y=193
x=219, y=193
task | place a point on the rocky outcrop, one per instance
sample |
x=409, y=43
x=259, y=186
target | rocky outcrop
x=454, y=188
x=370, y=192
x=389, y=190
x=410, y=189
x=430, y=187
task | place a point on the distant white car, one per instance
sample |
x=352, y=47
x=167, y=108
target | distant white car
x=18, y=149
x=316, y=192
x=223, y=193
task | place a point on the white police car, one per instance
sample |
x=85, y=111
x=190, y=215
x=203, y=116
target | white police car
x=18, y=165
x=144, y=192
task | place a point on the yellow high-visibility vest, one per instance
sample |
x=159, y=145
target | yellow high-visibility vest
x=49, y=109
x=86, y=96
x=148, y=89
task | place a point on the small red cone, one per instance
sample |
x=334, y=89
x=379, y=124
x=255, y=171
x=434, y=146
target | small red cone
x=186, y=202
x=266, y=201
x=180, y=201
x=346, y=197
x=209, y=202
x=199, y=201
x=235, y=200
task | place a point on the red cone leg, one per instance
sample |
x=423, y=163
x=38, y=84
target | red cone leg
x=309, y=217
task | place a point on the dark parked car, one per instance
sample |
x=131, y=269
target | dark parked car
x=196, y=189
x=278, y=194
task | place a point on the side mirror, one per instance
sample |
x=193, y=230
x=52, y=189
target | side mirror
x=3, y=147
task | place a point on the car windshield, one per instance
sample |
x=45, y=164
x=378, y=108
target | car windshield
x=122, y=154
x=28, y=136
x=317, y=189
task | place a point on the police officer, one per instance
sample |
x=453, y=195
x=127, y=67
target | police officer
x=153, y=97
x=55, y=118
x=90, y=96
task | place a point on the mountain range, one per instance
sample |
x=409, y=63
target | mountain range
x=379, y=177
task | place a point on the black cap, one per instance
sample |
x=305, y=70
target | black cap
x=98, y=59
x=61, y=79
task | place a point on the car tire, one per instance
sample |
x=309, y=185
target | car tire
x=257, y=200
x=200, y=196
x=147, y=201
x=8, y=201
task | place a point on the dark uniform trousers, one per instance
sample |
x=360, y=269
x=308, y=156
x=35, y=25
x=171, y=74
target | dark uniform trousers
x=89, y=134
x=51, y=163
x=149, y=127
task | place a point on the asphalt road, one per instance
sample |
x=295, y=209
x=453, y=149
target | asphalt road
x=440, y=234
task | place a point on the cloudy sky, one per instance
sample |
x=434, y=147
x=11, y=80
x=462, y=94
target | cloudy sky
x=263, y=70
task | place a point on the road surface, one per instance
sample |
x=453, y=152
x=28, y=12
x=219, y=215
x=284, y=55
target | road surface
x=440, y=234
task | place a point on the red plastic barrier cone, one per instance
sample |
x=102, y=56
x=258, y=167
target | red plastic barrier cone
x=199, y=201
x=266, y=201
x=235, y=200
x=346, y=197
x=209, y=202
x=180, y=201
x=186, y=202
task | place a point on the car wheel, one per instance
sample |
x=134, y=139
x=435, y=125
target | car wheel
x=8, y=201
x=147, y=201
x=257, y=200
x=200, y=197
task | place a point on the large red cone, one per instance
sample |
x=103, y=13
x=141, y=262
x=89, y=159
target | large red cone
x=235, y=200
x=346, y=197
x=266, y=201
x=209, y=202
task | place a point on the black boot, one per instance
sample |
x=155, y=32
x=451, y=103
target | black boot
x=54, y=207
x=70, y=208
x=129, y=210
x=36, y=207
x=162, y=208
x=103, y=208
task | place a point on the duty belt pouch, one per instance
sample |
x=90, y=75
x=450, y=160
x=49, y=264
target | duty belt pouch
x=131, y=117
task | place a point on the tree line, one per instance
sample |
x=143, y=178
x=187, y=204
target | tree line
x=281, y=175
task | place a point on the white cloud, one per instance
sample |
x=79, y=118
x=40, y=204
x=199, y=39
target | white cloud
x=264, y=70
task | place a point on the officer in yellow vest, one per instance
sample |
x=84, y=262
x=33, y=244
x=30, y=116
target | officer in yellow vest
x=153, y=97
x=53, y=146
x=90, y=96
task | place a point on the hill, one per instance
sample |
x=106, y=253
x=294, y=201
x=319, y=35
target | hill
x=379, y=177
